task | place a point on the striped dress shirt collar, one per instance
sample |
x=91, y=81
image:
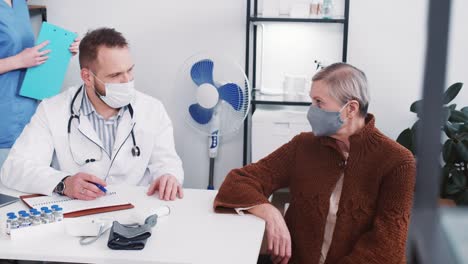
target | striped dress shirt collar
x=106, y=129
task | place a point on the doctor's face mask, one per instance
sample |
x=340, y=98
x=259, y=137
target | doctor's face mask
x=117, y=94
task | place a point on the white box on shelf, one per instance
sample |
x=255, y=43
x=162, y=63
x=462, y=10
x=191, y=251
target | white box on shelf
x=270, y=8
x=273, y=128
x=285, y=7
x=300, y=10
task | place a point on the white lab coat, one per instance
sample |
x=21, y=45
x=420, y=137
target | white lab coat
x=45, y=152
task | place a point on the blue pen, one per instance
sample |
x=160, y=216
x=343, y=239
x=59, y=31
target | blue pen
x=100, y=187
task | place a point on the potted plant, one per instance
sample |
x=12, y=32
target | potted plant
x=454, y=162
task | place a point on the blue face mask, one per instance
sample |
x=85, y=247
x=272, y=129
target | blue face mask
x=324, y=123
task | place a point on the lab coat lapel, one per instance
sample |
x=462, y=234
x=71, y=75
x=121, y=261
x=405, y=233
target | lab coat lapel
x=88, y=131
x=84, y=125
x=123, y=132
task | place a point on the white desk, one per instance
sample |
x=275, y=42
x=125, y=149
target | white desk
x=193, y=233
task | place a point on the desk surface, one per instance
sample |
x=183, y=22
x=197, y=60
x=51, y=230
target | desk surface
x=193, y=233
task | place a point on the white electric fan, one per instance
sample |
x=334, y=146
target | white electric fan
x=217, y=95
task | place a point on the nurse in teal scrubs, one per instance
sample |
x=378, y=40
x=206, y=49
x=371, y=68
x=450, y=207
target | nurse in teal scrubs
x=17, y=53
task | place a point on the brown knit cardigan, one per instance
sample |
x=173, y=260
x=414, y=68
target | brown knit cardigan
x=374, y=210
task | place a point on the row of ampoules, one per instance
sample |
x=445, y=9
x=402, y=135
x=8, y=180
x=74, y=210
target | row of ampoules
x=34, y=217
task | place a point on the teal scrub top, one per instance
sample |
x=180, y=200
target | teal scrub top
x=15, y=35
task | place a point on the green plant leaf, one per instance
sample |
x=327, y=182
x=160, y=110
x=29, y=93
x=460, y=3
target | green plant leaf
x=445, y=178
x=465, y=110
x=405, y=139
x=463, y=137
x=456, y=183
x=446, y=111
x=464, y=128
x=452, y=129
x=462, y=150
x=452, y=106
x=452, y=92
x=452, y=188
x=448, y=151
x=416, y=107
x=449, y=130
x=459, y=178
x=458, y=117
x=462, y=198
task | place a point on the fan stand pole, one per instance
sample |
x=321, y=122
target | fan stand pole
x=211, y=177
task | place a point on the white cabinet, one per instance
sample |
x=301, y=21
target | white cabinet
x=273, y=128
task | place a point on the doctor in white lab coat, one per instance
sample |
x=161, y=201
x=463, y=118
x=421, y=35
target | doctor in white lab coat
x=66, y=151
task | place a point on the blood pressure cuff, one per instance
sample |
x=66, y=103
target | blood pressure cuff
x=125, y=237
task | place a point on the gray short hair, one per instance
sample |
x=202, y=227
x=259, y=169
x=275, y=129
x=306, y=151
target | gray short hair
x=345, y=82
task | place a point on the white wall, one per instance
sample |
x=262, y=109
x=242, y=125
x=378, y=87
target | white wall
x=386, y=40
x=458, y=49
x=388, y=44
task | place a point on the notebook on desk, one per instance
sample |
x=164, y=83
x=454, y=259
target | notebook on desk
x=74, y=207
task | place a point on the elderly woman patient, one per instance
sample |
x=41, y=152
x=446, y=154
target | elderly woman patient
x=351, y=186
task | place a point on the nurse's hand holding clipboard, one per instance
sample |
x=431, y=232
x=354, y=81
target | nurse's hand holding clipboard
x=37, y=55
x=74, y=47
x=33, y=56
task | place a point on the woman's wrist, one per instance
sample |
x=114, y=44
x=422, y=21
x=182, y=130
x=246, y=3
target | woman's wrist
x=265, y=211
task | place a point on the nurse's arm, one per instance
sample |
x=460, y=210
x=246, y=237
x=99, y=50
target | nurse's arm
x=27, y=58
x=27, y=167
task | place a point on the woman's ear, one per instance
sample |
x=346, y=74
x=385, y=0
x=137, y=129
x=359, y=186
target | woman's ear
x=353, y=109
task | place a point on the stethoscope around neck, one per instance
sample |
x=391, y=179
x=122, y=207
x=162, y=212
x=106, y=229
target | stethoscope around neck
x=135, y=149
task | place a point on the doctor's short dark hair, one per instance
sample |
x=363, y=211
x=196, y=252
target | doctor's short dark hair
x=94, y=39
x=345, y=83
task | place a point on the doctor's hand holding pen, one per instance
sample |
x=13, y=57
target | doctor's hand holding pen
x=168, y=187
x=84, y=186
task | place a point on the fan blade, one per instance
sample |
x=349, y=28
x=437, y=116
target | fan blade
x=232, y=94
x=202, y=72
x=200, y=114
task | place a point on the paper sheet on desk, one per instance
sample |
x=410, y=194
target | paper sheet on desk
x=70, y=205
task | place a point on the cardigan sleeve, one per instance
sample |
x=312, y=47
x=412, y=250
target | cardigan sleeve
x=253, y=184
x=386, y=241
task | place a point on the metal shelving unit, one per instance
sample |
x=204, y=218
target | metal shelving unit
x=252, y=19
x=38, y=9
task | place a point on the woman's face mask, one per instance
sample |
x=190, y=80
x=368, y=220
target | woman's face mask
x=117, y=94
x=324, y=123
